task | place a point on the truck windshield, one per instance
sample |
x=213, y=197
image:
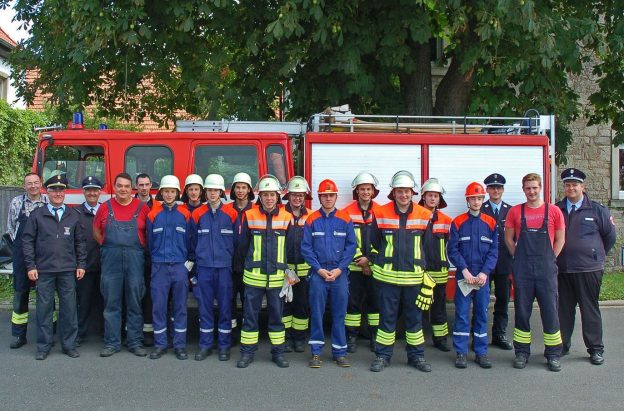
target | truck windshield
x=226, y=161
x=76, y=162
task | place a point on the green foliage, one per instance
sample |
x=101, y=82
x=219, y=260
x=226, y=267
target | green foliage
x=213, y=59
x=612, y=286
x=17, y=142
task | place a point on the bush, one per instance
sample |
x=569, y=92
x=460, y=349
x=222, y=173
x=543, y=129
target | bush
x=18, y=141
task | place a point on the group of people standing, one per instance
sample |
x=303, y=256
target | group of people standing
x=370, y=262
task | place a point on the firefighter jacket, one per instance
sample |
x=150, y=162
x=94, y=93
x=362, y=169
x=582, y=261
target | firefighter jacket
x=473, y=244
x=397, y=251
x=93, y=248
x=265, y=242
x=362, y=223
x=212, y=239
x=505, y=259
x=590, y=234
x=168, y=233
x=240, y=243
x=328, y=241
x=435, y=240
x=294, y=236
x=52, y=246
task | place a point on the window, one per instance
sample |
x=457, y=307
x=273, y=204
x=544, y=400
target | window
x=226, y=161
x=4, y=87
x=155, y=161
x=276, y=164
x=77, y=162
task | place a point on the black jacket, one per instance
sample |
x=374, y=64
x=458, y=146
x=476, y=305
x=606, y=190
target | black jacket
x=54, y=246
x=93, y=248
x=505, y=260
x=590, y=234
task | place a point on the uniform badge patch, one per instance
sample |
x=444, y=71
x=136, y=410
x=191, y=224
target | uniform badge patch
x=66, y=232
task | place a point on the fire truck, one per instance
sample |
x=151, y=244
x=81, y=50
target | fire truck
x=334, y=144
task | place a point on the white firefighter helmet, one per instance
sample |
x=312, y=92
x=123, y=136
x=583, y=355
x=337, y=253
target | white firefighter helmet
x=364, y=177
x=214, y=181
x=242, y=178
x=193, y=179
x=269, y=182
x=432, y=185
x=298, y=184
x=169, y=181
x=402, y=179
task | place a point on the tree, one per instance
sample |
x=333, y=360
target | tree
x=233, y=58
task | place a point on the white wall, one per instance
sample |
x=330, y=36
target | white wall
x=5, y=71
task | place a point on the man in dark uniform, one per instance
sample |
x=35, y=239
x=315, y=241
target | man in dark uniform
x=19, y=210
x=88, y=289
x=55, y=253
x=495, y=207
x=590, y=234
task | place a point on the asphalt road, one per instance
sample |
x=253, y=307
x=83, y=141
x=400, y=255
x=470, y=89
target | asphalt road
x=128, y=382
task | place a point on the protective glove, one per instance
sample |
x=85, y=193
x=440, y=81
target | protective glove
x=290, y=279
x=425, y=297
x=189, y=265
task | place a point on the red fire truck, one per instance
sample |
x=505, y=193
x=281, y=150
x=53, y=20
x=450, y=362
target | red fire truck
x=337, y=145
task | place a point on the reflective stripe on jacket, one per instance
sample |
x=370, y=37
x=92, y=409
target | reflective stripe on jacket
x=294, y=237
x=473, y=244
x=168, y=233
x=266, y=247
x=434, y=245
x=362, y=223
x=328, y=241
x=212, y=236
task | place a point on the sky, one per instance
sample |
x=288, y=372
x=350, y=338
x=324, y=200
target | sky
x=11, y=28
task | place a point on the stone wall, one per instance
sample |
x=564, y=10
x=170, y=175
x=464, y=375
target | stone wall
x=591, y=151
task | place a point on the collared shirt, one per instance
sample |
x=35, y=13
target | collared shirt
x=93, y=209
x=16, y=206
x=495, y=207
x=61, y=210
x=576, y=205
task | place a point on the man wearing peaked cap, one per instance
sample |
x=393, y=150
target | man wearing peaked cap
x=496, y=208
x=55, y=255
x=59, y=180
x=88, y=293
x=573, y=174
x=590, y=234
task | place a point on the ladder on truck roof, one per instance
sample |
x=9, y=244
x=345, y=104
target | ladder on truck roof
x=340, y=119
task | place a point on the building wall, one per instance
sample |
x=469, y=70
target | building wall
x=5, y=71
x=591, y=151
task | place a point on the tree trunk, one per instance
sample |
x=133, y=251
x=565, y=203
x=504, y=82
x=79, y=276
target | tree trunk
x=416, y=86
x=453, y=93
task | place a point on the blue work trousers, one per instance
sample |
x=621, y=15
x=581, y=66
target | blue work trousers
x=338, y=292
x=215, y=283
x=461, y=329
x=166, y=278
x=122, y=277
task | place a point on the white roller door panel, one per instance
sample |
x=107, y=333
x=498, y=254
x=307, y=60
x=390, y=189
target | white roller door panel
x=342, y=162
x=457, y=166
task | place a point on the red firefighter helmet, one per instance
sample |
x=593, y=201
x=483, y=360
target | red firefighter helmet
x=475, y=189
x=327, y=186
